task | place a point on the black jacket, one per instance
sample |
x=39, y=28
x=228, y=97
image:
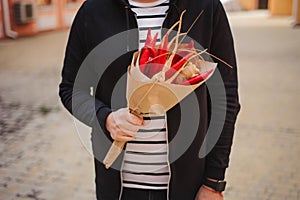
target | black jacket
x=89, y=62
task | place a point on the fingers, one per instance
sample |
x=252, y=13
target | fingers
x=128, y=125
x=122, y=131
x=122, y=125
x=133, y=119
x=127, y=121
x=123, y=135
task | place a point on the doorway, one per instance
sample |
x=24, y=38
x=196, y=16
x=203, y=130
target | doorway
x=263, y=4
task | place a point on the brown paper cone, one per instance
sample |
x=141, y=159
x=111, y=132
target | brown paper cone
x=114, y=151
x=147, y=97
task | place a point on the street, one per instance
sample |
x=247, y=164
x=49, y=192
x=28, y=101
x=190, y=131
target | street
x=43, y=157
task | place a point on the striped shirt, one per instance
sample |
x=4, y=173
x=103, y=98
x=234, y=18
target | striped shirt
x=149, y=15
x=146, y=158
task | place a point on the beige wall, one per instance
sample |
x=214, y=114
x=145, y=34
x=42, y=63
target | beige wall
x=281, y=7
x=296, y=14
x=249, y=4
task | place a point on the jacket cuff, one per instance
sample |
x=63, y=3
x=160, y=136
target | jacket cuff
x=215, y=173
x=102, y=116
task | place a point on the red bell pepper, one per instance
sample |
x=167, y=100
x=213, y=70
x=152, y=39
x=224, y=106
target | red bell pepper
x=153, y=41
x=160, y=58
x=145, y=52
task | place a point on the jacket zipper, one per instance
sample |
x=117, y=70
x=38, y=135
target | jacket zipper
x=125, y=150
x=167, y=138
x=121, y=176
x=167, y=132
x=168, y=161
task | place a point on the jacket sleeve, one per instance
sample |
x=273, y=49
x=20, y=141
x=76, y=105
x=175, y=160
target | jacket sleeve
x=222, y=47
x=77, y=79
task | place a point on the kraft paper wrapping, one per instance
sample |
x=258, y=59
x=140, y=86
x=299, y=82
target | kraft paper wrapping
x=148, y=97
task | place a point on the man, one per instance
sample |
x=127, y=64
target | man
x=184, y=177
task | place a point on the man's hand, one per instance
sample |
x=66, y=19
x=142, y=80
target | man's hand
x=206, y=193
x=123, y=125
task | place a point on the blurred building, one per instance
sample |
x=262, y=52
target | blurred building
x=29, y=17
x=275, y=7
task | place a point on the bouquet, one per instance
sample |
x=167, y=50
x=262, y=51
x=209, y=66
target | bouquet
x=160, y=76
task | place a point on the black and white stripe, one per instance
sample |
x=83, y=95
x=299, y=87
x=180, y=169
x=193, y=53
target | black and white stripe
x=146, y=159
x=150, y=15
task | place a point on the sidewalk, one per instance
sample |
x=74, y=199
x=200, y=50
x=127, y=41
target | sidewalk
x=42, y=157
x=265, y=158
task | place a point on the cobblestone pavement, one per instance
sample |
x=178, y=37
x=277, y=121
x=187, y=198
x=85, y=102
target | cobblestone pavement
x=42, y=157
